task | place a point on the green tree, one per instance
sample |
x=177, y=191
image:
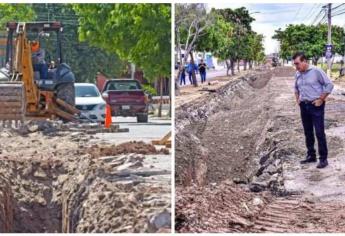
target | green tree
x=15, y=12
x=139, y=33
x=191, y=23
x=309, y=39
x=241, y=20
x=84, y=59
x=231, y=39
x=218, y=38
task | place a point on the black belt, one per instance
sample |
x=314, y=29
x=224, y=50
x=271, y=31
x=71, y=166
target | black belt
x=307, y=102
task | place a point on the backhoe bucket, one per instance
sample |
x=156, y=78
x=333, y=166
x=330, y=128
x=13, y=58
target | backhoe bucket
x=12, y=103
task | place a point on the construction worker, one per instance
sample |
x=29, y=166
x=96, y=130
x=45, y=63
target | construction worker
x=38, y=61
x=312, y=86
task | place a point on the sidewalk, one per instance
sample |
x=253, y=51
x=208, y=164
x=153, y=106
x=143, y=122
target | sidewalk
x=189, y=93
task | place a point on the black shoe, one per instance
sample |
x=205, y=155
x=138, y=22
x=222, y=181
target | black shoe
x=322, y=164
x=309, y=159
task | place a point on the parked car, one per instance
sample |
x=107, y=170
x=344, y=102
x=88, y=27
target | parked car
x=89, y=101
x=126, y=98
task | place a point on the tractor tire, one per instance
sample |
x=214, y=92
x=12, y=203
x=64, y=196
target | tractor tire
x=66, y=93
x=142, y=118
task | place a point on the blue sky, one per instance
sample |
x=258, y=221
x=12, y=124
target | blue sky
x=270, y=17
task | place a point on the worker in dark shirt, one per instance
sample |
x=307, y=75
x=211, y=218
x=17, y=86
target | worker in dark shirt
x=38, y=62
x=202, y=70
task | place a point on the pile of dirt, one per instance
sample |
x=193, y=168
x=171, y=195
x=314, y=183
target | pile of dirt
x=203, y=156
x=294, y=214
x=60, y=187
x=6, y=207
x=126, y=207
x=127, y=147
x=284, y=71
x=216, y=208
x=259, y=80
x=32, y=189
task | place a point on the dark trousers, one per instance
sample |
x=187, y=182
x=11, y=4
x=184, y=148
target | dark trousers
x=190, y=76
x=43, y=69
x=203, y=76
x=313, y=118
x=183, y=79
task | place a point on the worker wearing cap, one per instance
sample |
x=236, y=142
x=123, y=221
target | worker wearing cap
x=38, y=61
x=312, y=86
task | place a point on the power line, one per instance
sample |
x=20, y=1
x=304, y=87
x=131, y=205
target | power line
x=314, y=14
x=298, y=12
x=310, y=13
x=317, y=17
x=340, y=11
x=323, y=19
x=338, y=6
x=276, y=12
x=339, y=14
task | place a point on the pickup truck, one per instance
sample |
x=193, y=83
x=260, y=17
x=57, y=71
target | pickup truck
x=126, y=98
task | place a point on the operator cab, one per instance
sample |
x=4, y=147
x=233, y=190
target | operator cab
x=49, y=37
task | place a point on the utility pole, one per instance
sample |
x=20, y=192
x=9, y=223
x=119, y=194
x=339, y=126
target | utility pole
x=344, y=46
x=329, y=38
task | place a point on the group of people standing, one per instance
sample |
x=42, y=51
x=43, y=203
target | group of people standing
x=189, y=68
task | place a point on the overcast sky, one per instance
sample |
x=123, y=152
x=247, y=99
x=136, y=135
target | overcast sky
x=269, y=17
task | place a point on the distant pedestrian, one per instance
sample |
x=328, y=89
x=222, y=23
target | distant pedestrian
x=342, y=69
x=202, y=70
x=183, y=76
x=312, y=86
x=190, y=67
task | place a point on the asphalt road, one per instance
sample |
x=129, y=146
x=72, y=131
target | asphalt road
x=155, y=129
x=211, y=73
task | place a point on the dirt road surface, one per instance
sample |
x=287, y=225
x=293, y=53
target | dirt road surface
x=60, y=181
x=237, y=160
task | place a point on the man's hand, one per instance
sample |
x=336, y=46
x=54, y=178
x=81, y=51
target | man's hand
x=318, y=102
x=298, y=101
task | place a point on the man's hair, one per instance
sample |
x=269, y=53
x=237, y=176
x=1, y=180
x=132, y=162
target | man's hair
x=301, y=56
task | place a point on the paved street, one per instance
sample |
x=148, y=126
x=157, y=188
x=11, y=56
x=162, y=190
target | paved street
x=155, y=129
x=209, y=74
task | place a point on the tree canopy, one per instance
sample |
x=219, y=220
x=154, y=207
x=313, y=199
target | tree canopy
x=139, y=33
x=15, y=12
x=231, y=38
x=85, y=60
x=309, y=39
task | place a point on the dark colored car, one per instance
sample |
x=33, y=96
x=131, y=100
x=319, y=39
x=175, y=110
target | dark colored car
x=126, y=98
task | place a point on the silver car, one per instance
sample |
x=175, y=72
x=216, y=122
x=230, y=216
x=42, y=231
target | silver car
x=89, y=101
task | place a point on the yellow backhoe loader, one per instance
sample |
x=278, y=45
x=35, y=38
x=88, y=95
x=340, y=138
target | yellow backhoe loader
x=23, y=94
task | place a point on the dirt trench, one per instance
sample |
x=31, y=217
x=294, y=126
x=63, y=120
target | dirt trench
x=212, y=136
x=249, y=135
x=70, y=186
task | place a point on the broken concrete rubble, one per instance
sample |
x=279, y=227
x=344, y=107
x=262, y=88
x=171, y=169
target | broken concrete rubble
x=64, y=187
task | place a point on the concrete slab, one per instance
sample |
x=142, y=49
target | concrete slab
x=155, y=129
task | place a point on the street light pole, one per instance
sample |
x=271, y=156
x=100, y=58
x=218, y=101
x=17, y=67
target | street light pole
x=329, y=38
x=344, y=46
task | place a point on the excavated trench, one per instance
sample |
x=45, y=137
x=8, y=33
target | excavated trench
x=220, y=139
x=29, y=205
x=236, y=153
x=67, y=187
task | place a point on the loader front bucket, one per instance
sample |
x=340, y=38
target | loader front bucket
x=12, y=103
